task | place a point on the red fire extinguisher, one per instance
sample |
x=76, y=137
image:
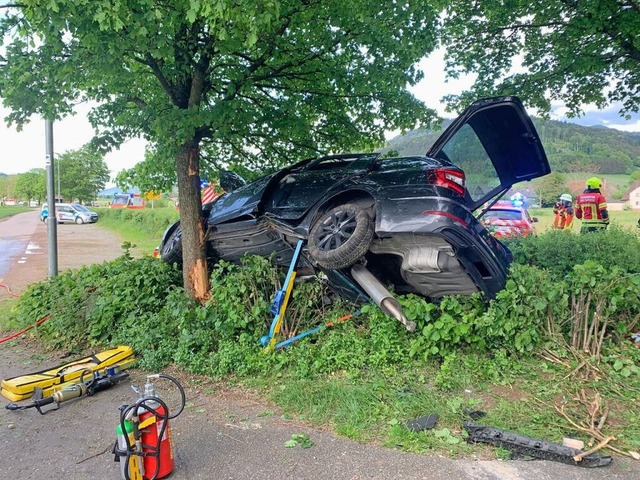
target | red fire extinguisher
x=144, y=445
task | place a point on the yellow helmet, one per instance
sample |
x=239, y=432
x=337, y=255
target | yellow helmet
x=594, y=183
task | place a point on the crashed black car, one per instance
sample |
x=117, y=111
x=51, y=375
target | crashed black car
x=370, y=223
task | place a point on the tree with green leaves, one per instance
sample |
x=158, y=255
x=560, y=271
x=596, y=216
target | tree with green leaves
x=82, y=173
x=549, y=188
x=31, y=185
x=257, y=83
x=574, y=51
x=7, y=185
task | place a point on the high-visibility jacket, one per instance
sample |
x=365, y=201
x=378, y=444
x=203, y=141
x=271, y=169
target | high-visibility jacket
x=563, y=219
x=591, y=208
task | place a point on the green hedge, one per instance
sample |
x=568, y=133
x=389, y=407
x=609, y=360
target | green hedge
x=140, y=302
x=152, y=221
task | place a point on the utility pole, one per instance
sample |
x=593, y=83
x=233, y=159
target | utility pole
x=52, y=224
x=58, y=174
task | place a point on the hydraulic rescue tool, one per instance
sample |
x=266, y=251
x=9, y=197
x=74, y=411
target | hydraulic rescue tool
x=23, y=387
x=143, y=446
x=98, y=381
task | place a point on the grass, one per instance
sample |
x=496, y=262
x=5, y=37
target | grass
x=521, y=398
x=626, y=219
x=146, y=233
x=10, y=210
x=615, y=184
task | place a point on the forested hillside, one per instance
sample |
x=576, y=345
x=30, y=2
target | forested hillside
x=570, y=147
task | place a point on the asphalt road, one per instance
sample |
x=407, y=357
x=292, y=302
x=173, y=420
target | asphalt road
x=224, y=433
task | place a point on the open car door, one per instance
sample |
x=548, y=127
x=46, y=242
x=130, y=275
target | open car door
x=496, y=145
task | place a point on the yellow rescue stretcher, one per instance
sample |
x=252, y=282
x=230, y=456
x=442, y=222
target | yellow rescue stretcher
x=22, y=387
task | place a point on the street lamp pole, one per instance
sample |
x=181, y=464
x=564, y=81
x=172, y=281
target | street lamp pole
x=52, y=224
x=58, y=165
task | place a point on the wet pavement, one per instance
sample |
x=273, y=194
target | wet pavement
x=17, y=240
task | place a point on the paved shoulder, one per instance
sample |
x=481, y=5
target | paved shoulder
x=24, y=250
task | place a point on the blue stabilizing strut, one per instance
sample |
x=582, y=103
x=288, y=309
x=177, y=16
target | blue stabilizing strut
x=289, y=341
x=276, y=305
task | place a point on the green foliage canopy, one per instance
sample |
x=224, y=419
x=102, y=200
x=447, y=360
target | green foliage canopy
x=31, y=185
x=549, y=188
x=82, y=173
x=7, y=185
x=256, y=83
x=578, y=52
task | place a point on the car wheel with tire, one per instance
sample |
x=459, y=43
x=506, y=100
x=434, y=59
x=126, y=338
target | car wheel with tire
x=340, y=236
x=79, y=221
x=171, y=250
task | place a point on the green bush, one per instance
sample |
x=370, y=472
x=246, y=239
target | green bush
x=140, y=302
x=559, y=252
x=91, y=306
x=152, y=221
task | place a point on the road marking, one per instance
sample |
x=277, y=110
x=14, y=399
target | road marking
x=31, y=249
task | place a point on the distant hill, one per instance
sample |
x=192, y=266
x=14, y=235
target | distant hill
x=570, y=147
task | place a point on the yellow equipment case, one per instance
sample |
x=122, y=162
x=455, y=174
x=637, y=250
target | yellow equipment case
x=22, y=387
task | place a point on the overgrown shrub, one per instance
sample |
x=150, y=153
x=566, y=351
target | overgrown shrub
x=91, y=305
x=605, y=306
x=559, y=252
x=140, y=303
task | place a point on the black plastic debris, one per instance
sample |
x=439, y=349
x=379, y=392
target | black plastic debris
x=474, y=414
x=522, y=445
x=423, y=423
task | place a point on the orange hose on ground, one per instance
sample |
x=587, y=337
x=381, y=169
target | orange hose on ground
x=17, y=334
x=14, y=295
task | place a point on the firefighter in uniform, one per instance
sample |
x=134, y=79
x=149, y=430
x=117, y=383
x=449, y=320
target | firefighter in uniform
x=591, y=207
x=563, y=210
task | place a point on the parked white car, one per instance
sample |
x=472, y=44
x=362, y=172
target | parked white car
x=70, y=213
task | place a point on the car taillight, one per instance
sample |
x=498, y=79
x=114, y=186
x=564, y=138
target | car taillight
x=451, y=179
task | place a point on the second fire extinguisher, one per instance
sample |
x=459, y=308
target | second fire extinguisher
x=144, y=447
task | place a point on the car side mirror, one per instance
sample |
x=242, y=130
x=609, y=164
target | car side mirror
x=230, y=181
x=534, y=219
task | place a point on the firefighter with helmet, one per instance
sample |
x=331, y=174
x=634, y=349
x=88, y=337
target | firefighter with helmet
x=591, y=207
x=563, y=210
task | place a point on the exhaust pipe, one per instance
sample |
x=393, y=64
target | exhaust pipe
x=380, y=295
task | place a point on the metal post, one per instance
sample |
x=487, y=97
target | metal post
x=58, y=174
x=52, y=224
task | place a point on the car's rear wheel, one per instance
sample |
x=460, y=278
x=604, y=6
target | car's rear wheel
x=171, y=251
x=341, y=236
x=79, y=221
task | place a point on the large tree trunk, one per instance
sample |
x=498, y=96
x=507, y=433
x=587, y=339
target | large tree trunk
x=194, y=269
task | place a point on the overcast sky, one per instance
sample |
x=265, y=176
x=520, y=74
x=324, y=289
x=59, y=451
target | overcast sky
x=22, y=151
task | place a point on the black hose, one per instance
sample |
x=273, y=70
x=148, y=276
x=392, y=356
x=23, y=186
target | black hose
x=142, y=403
x=183, y=397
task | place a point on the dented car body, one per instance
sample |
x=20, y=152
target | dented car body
x=412, y=221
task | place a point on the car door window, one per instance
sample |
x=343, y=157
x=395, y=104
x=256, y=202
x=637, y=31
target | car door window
x=466, y=151
x=496, y=145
